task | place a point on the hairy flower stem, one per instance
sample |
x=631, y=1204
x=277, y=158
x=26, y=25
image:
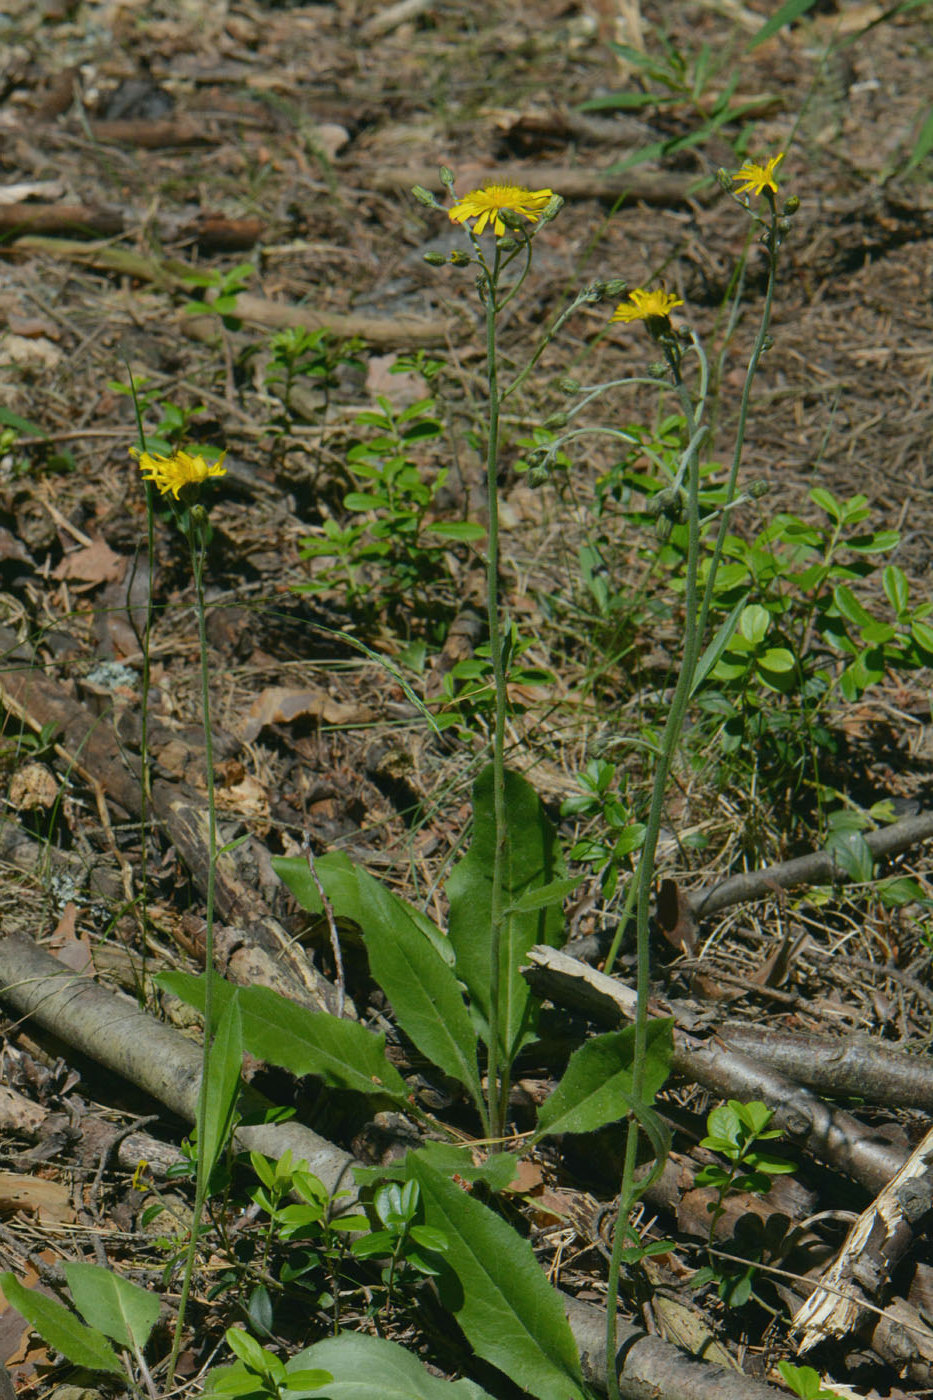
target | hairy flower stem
x=497, y=1074
x=696, y=614
x=628, y=1191
x=197, y=541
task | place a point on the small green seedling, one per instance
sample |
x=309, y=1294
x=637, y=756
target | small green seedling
x=734, y=1130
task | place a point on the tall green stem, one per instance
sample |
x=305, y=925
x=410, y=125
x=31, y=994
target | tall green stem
x=497, y=1071
x=696, y=615
x=197, y=544
x=645, y=873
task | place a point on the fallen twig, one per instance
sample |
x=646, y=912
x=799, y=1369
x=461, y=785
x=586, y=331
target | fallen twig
x=829, y=1133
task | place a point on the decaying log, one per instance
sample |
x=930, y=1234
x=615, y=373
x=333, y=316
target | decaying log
x=843, y=1066
x=393, y=332
x=649, y=1368
x=830, y=1134
x=73, y=219
x=572, y=182
x=154, y=135
x=110, y=1028
x=876, y=1243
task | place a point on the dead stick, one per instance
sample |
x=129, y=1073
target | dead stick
x=110, y=1028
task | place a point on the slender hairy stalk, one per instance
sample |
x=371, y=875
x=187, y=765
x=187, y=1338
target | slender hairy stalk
x=197, y=526
x=497, y=1074
x=695, y=618
x=645, y=875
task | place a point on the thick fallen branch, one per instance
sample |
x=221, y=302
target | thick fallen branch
x=110, y=1029
x=843, y=1066
x=573, y=182
x=394, y=332
x=74, y=219
x=649, y=1368
x=830, y=1134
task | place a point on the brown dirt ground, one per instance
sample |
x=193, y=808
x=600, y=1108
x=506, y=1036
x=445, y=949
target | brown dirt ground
x=303, y=127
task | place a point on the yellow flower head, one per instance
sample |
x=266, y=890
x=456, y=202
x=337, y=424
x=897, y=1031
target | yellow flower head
x=758, y=177
x=486, y=204
x=170, y=474
x=643, y=305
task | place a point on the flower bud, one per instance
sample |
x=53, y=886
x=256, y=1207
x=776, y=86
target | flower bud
x=511, y=218
x=459, y=258
x=537, y=475
x=758, y=488
x=783, y=226
x=725, y=179
x=435, y=259
x=447, y=178
x=791, y=205
x=506, y=245
x=425, y=197
x=556, y=420
x=551, y=210
x=568, y=385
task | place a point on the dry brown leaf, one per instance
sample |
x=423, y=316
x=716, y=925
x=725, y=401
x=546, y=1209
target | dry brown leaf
x=282, y=705
x=33, y=786
x=95, y=564
x=49, y=1201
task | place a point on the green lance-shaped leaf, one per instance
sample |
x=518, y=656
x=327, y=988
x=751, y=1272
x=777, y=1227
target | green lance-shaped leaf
x=372, y=1368
x=121, y=1310
x=491, y=1282
x=222, y=1082
x=406, y=959
x=84, y=1346
x=597, y=1084
x=532, y=860
x=343, y=1053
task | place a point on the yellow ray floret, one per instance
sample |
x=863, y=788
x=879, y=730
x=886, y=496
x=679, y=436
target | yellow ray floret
x=486, y=204
x=170, y=474
x=642, y=305
x=758, y=177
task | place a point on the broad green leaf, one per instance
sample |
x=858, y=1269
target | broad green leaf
x=121, y=1310
x=456, y=530
x=490, y=1280
x=777, y=659
x=371, y=1368
x=754, y=623
x=408, y=966
x=343, y=1053
x=84, y=1346
x=221, y=1086
x=532, y=859
x=896, y=587
x=853, y=854
x=922, y=634
x=792, y=10
x=596, y=1087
